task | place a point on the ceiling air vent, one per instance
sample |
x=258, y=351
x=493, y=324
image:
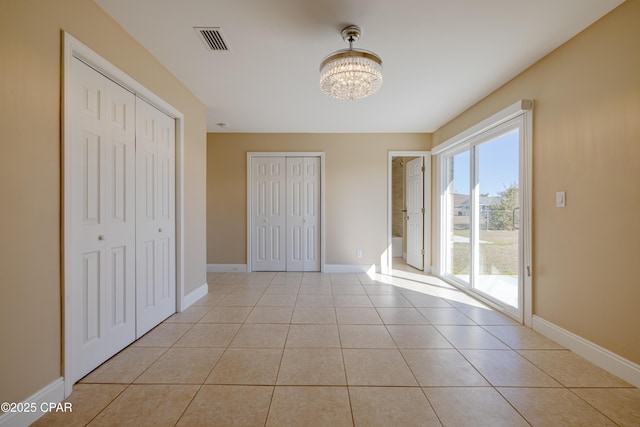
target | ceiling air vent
x=212, y=38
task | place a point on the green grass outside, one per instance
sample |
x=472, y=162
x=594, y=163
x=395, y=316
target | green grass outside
x=498, y=253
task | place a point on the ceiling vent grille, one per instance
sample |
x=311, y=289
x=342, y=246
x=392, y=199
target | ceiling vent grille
x=212, y=38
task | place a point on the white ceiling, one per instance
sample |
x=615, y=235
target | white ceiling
x=439, y=56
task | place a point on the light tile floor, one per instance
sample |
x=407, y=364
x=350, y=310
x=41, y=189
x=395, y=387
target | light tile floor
x=293, y=349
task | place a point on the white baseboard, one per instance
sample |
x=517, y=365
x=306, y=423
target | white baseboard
x=328, y=268
x=351, y=268
x=194, y=296
x=607, y=360
x=51, y=394
x=226, y=268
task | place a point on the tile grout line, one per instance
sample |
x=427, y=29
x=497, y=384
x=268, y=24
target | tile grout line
x=275, y=382
x=512, y=405
x=237, y=286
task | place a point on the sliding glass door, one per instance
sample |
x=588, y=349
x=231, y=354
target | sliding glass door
x=497, y=210
x=481, y=216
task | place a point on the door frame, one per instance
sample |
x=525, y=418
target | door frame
x=426, y=238
x=250, y=156
x=74, y=48
x=523, y=109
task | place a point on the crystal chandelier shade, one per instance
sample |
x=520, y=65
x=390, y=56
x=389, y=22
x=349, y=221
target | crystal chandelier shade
x=351, y=73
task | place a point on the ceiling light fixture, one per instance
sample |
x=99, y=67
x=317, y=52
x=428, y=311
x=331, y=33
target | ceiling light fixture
x=351, y=73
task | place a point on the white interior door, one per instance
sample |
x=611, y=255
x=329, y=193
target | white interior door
x=268, y=219
x=155, y=226
x=303, y=217
x=102, y=245
x=415, y=212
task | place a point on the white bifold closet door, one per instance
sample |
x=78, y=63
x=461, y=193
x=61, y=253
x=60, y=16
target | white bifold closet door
x=103, y=216
x=155, y=211
x=268, y=249
x=286, y=214
x=303, y=213
x=121, y=214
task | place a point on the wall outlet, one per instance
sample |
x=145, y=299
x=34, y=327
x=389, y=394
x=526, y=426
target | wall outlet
x=358, y=253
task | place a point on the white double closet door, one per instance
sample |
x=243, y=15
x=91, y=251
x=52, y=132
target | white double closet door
x=122, y=221
x=285, y=218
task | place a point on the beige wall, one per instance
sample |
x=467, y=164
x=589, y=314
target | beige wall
x=356, y=190
x=30, y=146
x=586, y=141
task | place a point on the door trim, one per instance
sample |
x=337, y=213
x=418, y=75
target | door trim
x=426, y=242
x=74, y=48
x=250, y=156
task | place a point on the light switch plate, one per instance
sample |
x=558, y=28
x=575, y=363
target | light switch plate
x=560, y=199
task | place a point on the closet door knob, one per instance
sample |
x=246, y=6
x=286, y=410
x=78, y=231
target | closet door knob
x=101, y=237
x=159, y=230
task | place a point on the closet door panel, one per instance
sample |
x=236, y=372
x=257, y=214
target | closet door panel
x=311, y=220
x=102, y=219
x=268, y=217
x=155, y=225
x=295, y=214
x=303, y=202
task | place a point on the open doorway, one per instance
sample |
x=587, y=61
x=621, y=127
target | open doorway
x=408, y=225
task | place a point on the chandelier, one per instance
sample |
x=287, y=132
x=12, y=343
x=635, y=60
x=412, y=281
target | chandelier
x=351, y=73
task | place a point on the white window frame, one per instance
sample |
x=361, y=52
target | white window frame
x=519, y=114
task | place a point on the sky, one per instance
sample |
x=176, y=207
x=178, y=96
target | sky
x=498, y=166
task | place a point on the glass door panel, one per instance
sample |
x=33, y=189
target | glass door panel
x=497, y=221
x=459, y=217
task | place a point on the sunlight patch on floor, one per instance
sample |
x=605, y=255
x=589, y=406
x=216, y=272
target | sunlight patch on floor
x=426, y=284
